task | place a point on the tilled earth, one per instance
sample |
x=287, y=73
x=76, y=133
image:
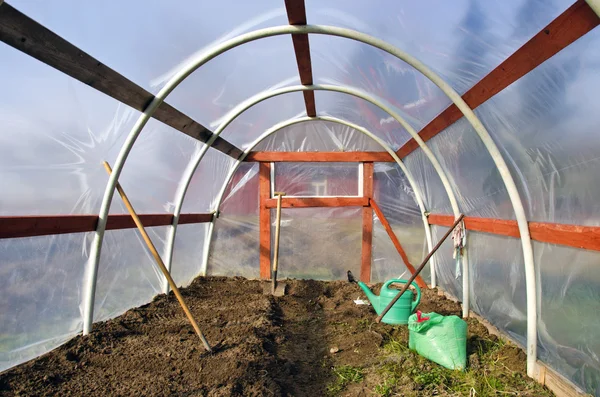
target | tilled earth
x=264, y=346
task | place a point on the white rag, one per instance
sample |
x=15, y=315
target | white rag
x=459, y=237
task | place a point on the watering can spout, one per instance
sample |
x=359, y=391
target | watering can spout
x=374, y=299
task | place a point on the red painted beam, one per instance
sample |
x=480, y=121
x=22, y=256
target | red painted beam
x=576, y=236
x=44, y=225
x=306, y=202
x=296, y=12
x=367, y=231
x=572, y=24
x=298, y=157
x=396, y=242
x=264, y=188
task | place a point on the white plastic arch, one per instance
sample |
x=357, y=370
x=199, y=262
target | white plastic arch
x=234, y=113
x=278, y=127
x=92, y=266
x=284, y=124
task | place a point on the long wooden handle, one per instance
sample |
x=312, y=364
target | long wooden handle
x=159, y=260
x=277, y=231
x=418, y=271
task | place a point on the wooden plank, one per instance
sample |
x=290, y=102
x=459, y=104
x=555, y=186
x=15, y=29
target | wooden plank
x=306, y=202
x=264, y=181
x=338, y=157
x=576, y=236
x=296, y=12
x=485, y=225
x=44, y=225
x=367, y=227
x=28, y=36
x=388, y=228
x=572, y=24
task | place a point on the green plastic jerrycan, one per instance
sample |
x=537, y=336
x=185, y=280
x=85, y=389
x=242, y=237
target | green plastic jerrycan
x=402, y=309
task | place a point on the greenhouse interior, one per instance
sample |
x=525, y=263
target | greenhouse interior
x=225, y=198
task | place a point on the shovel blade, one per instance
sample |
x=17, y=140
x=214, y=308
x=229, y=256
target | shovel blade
x=279, y=290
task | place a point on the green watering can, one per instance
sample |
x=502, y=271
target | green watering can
x=401, y=310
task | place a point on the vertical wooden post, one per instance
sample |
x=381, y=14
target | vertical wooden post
x=367, y=234
x=264, y=177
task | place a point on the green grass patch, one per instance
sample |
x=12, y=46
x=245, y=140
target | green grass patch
x=345, y=375
x=404, y=372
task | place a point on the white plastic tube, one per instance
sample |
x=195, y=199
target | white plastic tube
x=92, y=266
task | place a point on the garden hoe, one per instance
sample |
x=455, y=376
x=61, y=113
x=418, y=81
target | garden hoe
x=277, y=289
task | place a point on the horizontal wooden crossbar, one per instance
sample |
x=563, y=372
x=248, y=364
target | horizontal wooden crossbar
x=586, y=237
x=350, y=157
x=572, y=24
x=306, y=202
x=43, y=225
x=26, y=35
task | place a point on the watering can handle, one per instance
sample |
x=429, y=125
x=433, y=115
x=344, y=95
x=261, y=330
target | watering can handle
x=416, y=302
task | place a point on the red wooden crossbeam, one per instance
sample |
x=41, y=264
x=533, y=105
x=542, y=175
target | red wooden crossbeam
x=296, y=12
x=299, y=157
x=396, y=243
x=572, y=24
x=586, y=237
x=307, y=202
x=43, y=225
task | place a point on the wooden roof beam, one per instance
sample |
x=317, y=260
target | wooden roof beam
x=44, y=225
x=572, y=24
x=296, y=12
x=28, y=36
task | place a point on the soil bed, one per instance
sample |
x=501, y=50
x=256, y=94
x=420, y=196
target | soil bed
x=314, y=341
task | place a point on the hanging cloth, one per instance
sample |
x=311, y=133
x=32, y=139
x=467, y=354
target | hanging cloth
x=459, y=236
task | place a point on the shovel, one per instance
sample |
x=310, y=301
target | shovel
x=277, y=289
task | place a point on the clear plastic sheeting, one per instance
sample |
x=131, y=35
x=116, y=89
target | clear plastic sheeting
x=435, y=197
x=547, y=125
x=41, y=280
x=472, y=173
x=346, y=62
x=319, y=243
x=235, y=246
x=386, y=262
x=318, y=136
x=395, y=197
x=154, y=167
x=128, y=275
x=188, y=252
x=462, y=41
x=445, y=264
x=318, y=179
x=207, y=181
x=54, y=134
x=569, y=292
x=365, y=114
x=497, y=282
x=252, y=123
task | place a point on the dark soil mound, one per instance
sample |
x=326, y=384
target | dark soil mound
x=314, y=341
